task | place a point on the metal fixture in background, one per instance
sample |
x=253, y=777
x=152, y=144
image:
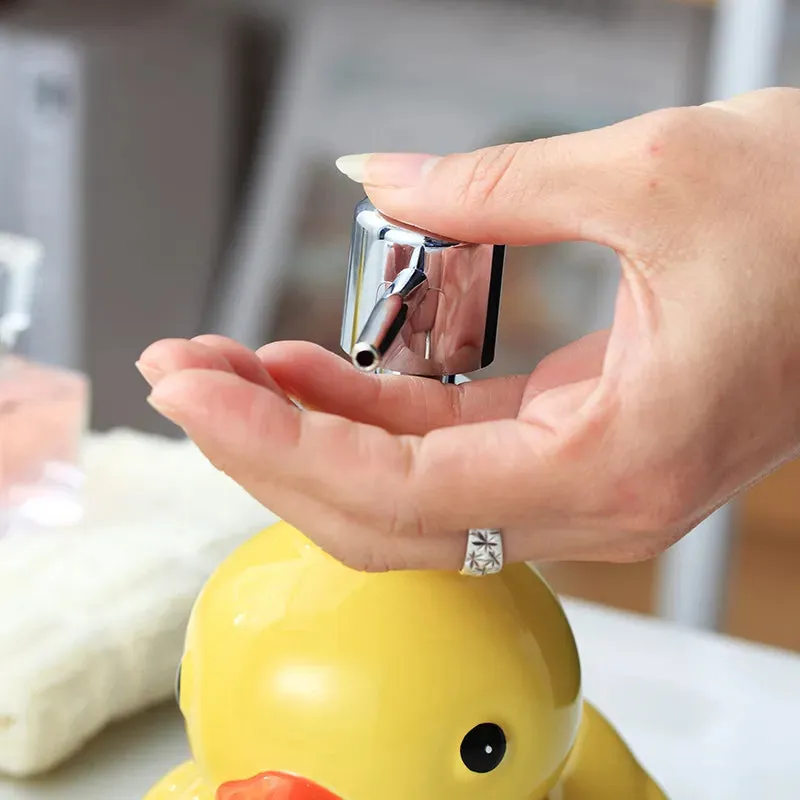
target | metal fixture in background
x=694, y=573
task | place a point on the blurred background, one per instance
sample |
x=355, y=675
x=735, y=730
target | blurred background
x=176, y=161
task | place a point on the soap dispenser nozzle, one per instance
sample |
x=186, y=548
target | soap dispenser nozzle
x=418, y=304
x=400, y=299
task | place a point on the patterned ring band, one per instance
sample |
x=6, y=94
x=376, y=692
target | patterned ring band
x=484, y=552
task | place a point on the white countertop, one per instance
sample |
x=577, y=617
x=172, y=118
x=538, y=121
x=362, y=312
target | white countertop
x=712, y=718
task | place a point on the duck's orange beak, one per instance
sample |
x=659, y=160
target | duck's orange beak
x=274, y=786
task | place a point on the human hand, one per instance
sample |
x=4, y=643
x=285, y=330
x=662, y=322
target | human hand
x=616, y=445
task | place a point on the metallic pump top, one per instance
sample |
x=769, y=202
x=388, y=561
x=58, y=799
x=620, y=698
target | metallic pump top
x=416, y=303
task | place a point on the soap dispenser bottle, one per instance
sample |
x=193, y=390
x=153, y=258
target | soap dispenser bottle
x=414, y=684
x=43, y=410
x=416, y=303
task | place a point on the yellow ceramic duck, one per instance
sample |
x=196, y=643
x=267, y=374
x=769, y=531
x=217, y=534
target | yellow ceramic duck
x=305, y=680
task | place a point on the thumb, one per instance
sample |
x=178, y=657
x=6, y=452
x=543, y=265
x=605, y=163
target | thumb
x=572, y=187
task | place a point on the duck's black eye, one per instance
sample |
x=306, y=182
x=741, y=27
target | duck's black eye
x=483, y=748
x=178, y=686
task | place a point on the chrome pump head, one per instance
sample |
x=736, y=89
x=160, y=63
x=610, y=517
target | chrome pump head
x=416, y=304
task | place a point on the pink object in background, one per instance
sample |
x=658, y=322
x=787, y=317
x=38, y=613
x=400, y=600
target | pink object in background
x=43, y=412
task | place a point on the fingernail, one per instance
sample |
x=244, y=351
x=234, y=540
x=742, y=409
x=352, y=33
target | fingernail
x=159, y=404
x=150, y=373
x=354, y=166
x=387, y=170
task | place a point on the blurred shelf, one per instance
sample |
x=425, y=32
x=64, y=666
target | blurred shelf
x=772, y=508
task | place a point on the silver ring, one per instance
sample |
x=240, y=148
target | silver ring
x=484, y=552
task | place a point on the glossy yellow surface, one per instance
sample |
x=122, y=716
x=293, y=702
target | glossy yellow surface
x=602, y=766
x=367, y=684
x=183, y=783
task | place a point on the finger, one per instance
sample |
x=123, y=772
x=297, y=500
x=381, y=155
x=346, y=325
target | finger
x=354, y=541
x=271, y=448
x=172, y=355
x=578, y=361
x=358, y=542
x=320, y=380
x=243, y=360
x=578, y=186
x=496, y=474
x=204, y=352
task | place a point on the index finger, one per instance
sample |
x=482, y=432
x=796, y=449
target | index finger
x=580, y=186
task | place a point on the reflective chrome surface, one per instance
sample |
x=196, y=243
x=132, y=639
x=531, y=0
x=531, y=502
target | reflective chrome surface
x=416, y=304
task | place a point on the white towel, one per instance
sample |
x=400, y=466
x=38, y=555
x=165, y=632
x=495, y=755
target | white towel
x=92, y=618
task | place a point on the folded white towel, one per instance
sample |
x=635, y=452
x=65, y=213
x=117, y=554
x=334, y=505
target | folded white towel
x=92, y=618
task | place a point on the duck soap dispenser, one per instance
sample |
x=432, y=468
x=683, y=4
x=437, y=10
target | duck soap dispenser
x=302, y=679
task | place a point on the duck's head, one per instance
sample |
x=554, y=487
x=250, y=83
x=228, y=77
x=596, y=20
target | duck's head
x=305, y=680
